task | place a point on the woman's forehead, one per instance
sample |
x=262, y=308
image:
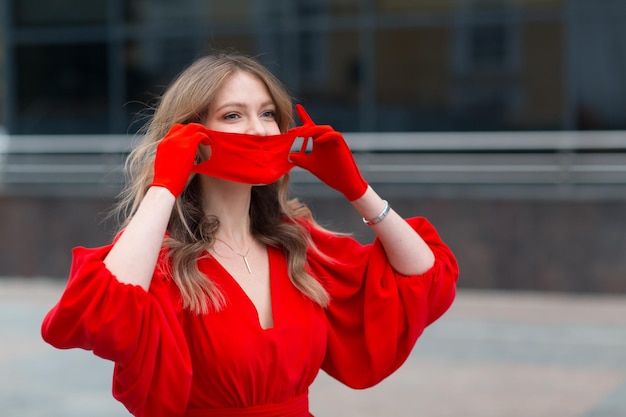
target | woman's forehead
x=243, y=89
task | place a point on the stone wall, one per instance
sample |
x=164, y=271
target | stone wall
x=572, y=246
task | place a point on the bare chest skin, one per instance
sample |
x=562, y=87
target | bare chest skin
x=254, y=282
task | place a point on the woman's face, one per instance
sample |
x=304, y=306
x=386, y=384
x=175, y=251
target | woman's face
x=243, y=105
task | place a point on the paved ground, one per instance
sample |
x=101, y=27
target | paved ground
x=494, y=354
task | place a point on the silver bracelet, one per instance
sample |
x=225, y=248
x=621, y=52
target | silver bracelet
x=380, y=217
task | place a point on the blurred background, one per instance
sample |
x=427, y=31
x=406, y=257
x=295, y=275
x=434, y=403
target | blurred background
x=501, y=121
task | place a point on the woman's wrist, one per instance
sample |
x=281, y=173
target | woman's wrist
x=380, y=217
x=161, y=191
x=371, y=207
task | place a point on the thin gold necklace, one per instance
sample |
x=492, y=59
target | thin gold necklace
x=244, y=256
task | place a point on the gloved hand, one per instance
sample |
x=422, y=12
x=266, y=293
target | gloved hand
x=330, y=159
x=176, y=155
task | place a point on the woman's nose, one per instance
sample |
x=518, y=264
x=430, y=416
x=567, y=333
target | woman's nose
x=256, y=127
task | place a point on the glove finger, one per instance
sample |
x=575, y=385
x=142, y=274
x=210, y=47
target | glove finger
x=198, y=167
x=186, y=129
x=194, y=129
x=299, y=159
x=304, y=116
x=313, y=131
x=305, y=143
x=175, y=128
x=326, y=137
x=200, y=138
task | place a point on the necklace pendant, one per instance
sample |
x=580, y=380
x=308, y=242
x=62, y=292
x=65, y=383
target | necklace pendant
x=247, y=264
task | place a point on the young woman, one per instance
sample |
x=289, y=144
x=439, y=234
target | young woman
x=222, y=297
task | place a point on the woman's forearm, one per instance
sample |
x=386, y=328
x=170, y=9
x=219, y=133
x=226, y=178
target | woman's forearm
x=134, y=255
x=407, y=252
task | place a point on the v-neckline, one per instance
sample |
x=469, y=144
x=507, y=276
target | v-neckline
x=237, y=287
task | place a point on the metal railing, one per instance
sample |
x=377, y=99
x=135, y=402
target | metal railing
x=60, y=164
x=526, y=164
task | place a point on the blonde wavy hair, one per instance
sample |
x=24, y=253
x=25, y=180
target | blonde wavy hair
x=190, y=230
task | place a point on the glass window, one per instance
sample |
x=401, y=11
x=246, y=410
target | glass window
x=404, y=7
x=59, y=12
x=330, y=78
x=62, y=89
x=409, y=65
x=161, y=13
x=151, y=65
x=488, y=44
x=2, y=68
x=412, y=79
x=233, y=11
x=190, y=12
x=542, y=78
x=343, y=7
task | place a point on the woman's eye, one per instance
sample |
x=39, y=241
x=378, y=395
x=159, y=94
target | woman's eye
x=269, y=114
x=231, y=116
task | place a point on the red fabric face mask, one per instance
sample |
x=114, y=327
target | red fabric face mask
x=249, y=159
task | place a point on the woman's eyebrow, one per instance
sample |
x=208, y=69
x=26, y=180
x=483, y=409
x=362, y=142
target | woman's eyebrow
x=231, y=104
x=240, y=105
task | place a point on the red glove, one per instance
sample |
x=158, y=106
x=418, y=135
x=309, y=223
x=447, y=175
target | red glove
x=330, y=159
x=176, y=155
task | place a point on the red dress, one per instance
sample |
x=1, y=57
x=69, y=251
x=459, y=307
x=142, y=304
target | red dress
x=170, y=362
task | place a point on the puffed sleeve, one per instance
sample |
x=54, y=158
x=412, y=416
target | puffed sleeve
x=376, y=314
x=139, y=330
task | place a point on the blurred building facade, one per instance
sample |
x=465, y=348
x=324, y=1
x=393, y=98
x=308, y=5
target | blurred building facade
x=74, y=66
x=543, y=211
